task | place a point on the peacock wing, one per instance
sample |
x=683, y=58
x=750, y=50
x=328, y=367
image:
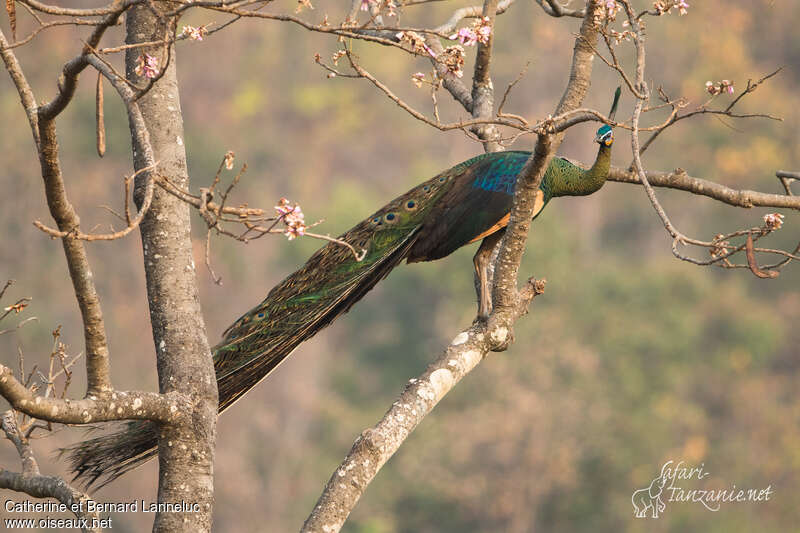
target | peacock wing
x=477, y=204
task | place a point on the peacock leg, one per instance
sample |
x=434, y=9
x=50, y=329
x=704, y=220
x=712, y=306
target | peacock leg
x=481, y=261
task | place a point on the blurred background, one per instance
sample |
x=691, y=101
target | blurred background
x=630, y=359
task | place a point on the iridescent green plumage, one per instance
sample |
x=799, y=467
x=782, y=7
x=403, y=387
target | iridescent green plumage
x=468, y=202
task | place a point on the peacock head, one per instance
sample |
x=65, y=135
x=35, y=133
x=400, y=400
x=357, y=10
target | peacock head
x=605, y=135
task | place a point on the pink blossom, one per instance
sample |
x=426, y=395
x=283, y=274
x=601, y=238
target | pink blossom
x=292, y=232
x=283, y=207
x=390, y=6
x=453, y=59
x=337, y=56
x=303, y=4
x=665, y=6
x=147, y=66
x=483, y=27
x=465, y=36
x=618, y=37
x=196, y=34
x=611, y=8
x=416, y=41
x=727, y=85
x=719, y=87
x=293, y=217
x=718, y=246
x=479, y=32
x=483, y=33
x=773, y=221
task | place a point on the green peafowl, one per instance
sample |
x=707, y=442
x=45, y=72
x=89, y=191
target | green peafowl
x=468, y=202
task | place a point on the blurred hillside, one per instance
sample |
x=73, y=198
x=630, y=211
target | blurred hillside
x=630, y=359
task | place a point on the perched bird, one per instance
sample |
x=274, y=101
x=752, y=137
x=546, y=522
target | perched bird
x=464, y=204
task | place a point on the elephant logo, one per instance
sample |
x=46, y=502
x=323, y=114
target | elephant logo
x=649, y=499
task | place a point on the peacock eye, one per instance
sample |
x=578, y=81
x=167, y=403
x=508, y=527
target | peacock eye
x=376, y=220
x=411, y=205
x=442, y=179
x=261, y=315
x=426, y=188
x=390, y=217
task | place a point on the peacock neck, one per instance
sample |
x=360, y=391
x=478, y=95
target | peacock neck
x=575, y=181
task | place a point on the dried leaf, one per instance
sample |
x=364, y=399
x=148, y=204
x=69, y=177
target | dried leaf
x=751, y=261
x=101, y=125
x=11, y=9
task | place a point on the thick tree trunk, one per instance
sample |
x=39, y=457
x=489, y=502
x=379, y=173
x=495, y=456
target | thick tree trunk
x=186, y=450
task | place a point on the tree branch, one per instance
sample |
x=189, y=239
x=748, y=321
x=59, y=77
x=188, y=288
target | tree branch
x=482, y=89
x=31, y=482
x=68, y=12
x=117, y=405
x=453, y=84
x=68, y=81
x=504, y=292
x=679, y=179
x=677, y=236
x=98, y=366
x=23, y=87
x=376, y=445
x=471, y=12
x=555, y=9
x=183, y=355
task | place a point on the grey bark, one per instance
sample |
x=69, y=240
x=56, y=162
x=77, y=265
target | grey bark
x=186, y=448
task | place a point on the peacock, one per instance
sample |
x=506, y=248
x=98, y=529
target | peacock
x=467, y=203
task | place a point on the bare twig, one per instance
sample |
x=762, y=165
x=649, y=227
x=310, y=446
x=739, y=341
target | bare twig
x=787, y=174
x=704, y=110
x=678, y=237
x=507, y=92
x=460, y=125
x=19, y=326
x=100, y=117
x=471, y=12
x=217, y=279
x=132, y=223
x=555, y=9
x=23, y=87
x=47, y=25
x=786, y=179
